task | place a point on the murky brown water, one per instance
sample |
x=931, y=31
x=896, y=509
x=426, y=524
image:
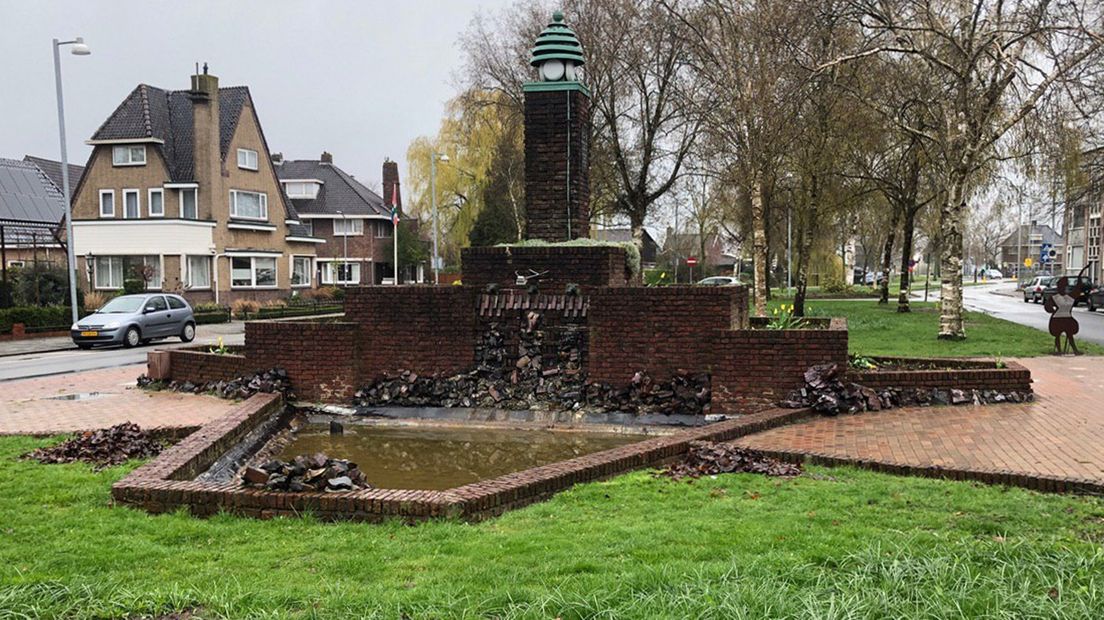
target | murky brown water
x=435, y=458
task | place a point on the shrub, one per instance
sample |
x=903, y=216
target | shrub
x=34, y=316
x=326, y=293
x=96, y=300
x=244, y=307
x=276, y=303
x=42, y=285
x=132, y=287
x=209, y=307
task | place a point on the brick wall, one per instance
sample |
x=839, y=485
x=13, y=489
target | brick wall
x=587, y=266
x=321, y=358
x=557, y=129
x=767, y=363
x=663, y=330
x=198, y=365
x=426, y=329
x=978, y=375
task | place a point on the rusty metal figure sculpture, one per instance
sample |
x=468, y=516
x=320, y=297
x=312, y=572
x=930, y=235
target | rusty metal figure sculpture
x=1060, y=306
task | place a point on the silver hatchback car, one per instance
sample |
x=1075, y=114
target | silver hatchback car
x=131, y=320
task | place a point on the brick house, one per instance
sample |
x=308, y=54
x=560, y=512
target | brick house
x=354, y=221
x=180, y=188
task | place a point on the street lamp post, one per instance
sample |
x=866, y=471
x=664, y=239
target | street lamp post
x=434, y=157
x=78, y=49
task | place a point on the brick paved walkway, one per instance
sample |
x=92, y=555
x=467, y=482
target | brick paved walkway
x=29, y=406
x=1059, y=436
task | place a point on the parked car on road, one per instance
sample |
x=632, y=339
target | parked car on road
x=992, y=274
x=1051, y=289
x=719, y=281
x=1096, y=298
x=131, y=320
x=1033, y=290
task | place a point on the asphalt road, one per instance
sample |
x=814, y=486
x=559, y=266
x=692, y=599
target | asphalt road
x=76, y=360
x=1004, y=302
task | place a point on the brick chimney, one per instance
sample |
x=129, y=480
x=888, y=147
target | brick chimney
x=207, y=151
x=277, y=158
x=326, y=157
x=391, y=186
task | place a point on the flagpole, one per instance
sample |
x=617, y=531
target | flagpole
x=395, y=230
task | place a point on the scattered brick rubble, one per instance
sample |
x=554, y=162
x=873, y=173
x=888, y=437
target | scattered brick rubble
x=266, y=381
x=707, y=458
x=316, y=472
x=538, y=375
x=826, y=392
x=102, y=448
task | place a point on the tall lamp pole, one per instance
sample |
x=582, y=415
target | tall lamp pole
x=78, y=49
x=434, y=157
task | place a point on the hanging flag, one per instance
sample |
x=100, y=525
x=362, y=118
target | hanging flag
x=395, y=204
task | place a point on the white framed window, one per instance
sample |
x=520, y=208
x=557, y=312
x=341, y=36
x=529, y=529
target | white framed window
x=16, y=264
x=301, y=271
x=189, y=203
x=252, y=272
x=383, y=229
x=341, y=273
x=348, y=228
x=129, y=155
x=247, y=159
x=107, y=203
x=132, y=206
x=109, y=272
x=301, y=189
x=248, y=205
x=156, y=202
x=198, y=272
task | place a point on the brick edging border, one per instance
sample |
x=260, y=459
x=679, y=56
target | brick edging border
x=1036, y=482
x=167, y=482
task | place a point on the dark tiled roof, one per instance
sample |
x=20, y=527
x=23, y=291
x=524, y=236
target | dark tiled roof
x=28, y=196
x=151, y=112
x=53, y=170
x=339, y=192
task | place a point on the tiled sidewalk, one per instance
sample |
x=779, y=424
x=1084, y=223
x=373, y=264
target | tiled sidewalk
x=31, y=406
x=1059, y=436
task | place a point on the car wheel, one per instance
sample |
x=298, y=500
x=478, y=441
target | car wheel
x=1026, y=300
x=132, y=338
x=188, y=333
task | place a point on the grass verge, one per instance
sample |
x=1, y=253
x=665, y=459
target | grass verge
x=880, y=330
x=835, y=543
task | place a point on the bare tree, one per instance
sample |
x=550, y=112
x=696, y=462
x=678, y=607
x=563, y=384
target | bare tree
x=747, y=101
x=993, y=62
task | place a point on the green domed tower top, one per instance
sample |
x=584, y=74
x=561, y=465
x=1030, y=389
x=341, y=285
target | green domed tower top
x=557, y=53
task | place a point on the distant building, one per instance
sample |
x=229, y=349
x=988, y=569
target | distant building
x=715, y=257
x=354, y=221
x=32, y=211
x=649, y=253
x=1083, y=219
x=1027, y=242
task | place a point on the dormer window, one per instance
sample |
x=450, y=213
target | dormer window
x=129, y=155
x=302, y=189
x=247, y=159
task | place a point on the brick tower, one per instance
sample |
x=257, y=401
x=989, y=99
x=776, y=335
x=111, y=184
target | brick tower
x=557, y=119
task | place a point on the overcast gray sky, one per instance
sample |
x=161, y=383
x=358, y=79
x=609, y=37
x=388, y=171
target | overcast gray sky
x=360, y=79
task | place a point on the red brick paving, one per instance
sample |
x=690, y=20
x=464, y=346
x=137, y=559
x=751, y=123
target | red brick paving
x=1060, y=435
x=27, y=406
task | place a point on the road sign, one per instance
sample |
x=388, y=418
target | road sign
x=1028, y=262
x=692, y=261
x=1045, y=253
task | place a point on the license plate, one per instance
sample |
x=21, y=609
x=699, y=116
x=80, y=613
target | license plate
x=90, y=334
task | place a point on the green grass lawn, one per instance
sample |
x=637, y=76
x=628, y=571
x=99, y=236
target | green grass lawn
x=880, y=330
x=834, y=543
